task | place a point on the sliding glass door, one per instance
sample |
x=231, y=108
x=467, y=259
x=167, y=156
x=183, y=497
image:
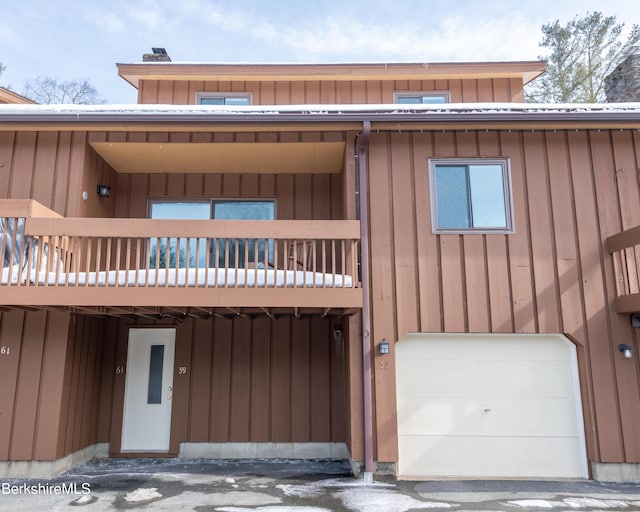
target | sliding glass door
x=217, y=252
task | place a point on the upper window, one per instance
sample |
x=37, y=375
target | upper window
x=470, y=195
x=214, y=98
x=425, y=98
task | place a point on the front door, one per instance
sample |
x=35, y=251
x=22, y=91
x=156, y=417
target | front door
x=146, y=423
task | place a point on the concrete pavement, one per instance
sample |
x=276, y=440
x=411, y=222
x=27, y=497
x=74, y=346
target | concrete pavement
x=291, y=486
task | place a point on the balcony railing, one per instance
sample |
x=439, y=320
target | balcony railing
x=625, y=250
x=97, y=261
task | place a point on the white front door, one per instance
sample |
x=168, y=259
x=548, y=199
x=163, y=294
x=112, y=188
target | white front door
x=146, y=422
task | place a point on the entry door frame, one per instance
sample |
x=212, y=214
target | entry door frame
x=146, y=427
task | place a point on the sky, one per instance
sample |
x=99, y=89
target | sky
x=84, y=39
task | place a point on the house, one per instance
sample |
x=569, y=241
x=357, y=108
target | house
x=8, y=96
x=398, y=264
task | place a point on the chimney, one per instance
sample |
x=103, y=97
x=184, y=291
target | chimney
x=158, y=55
x=623, y=83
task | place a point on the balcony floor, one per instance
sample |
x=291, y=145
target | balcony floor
x=180, y=313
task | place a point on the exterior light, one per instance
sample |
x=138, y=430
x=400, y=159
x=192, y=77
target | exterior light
x=626, y=350
x=104, y=190
x=384, y=347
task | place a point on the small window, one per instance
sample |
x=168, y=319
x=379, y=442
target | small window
x=424, y=98
x=471, y=195
x=231, y=99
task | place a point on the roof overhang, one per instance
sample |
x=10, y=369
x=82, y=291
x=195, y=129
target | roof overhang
x=289, y=118
x=133, y=73
x=227, y=157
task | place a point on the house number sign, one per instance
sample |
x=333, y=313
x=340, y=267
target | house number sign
x=4, y=350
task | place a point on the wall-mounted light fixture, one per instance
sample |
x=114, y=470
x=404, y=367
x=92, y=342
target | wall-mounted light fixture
x=626, y=350
x=384, y=347
x=104, y=190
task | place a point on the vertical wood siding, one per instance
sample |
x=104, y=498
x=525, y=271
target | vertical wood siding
x=571, y=190
x=54, y=168
x=249, y=380
x=50, y=386
x=82, y=386
x=332, y=92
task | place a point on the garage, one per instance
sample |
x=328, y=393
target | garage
x=494, y=406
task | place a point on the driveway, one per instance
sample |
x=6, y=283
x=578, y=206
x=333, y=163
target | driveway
x=291, y=486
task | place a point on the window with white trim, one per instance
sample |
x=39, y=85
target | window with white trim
x=214, y=98
x=470, y=195
x=424, y=98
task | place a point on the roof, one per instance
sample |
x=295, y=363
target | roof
x=82, y=115
x=296, y=155
x=8, y=96
x=133, y=73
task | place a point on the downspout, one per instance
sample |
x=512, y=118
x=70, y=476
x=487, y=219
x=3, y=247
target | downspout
x=363, y=212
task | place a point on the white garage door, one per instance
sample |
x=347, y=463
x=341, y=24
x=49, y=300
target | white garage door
x=489, y=406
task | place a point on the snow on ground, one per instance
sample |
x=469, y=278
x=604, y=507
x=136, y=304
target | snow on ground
x=594, y=503
x=379, y=500
x=317, y=488
x=573, y=502
x=536, y=503
x=143, y=494
x=189, y=499
x=274, y=509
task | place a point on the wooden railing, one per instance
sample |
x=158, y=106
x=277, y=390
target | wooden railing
x=96, y=261
x=625, y=250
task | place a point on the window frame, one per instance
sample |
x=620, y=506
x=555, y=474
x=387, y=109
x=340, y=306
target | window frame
x=505, y=163
x=403, y=94
x=224, y=95
x=211, y=202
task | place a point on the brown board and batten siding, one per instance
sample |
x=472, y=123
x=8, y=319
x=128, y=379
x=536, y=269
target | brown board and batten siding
x=329, y=92
x=246, y=380
x=50, y=380
x=54, y=168
x=571, y=190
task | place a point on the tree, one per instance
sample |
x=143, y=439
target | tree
x=2, y=68
x=48, y=90
x=582, y=53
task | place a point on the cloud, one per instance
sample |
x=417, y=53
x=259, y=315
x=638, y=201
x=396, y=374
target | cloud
x=346, y=37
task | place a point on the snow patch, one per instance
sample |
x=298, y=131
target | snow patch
x=317, y=109
x=273, y=509
x=378, y=500
x=594, y=503
x=316, y=488
x=143, y=494
x=534, y=503
x=82, y=500
x=230, y=480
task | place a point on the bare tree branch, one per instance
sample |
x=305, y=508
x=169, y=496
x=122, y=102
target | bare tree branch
x=47, y=90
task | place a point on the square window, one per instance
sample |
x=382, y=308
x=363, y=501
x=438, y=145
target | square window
x=232, y=99
x=424, y=98
x=470, y=195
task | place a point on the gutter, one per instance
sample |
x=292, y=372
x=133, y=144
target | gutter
x=363, y=211
x=190, y=117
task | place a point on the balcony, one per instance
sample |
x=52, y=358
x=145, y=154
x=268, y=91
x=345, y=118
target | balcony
x=104, y=266
x=625, y=250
